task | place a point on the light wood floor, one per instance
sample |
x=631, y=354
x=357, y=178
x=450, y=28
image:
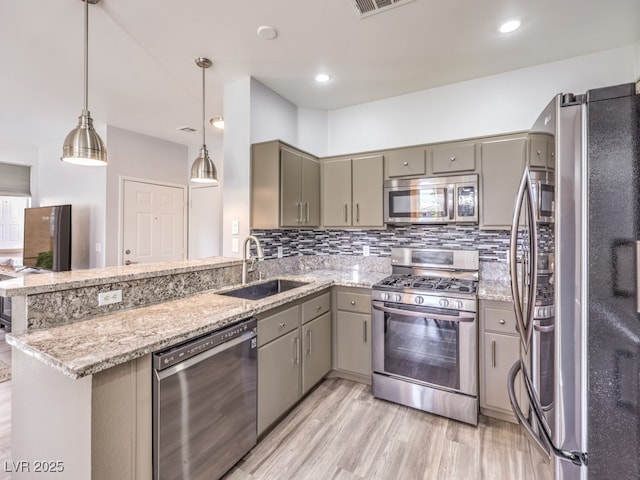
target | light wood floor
x=5, y=410
x=341, y=432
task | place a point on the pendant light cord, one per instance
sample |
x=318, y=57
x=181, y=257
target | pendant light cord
x=86, y=55
x=203, y=68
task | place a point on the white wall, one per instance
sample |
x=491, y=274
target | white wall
x=638, y=60
x=272, y=116
x=85, y=189
x=313, y=126
x=139, y=156
x=237, y=159
x=496, y=104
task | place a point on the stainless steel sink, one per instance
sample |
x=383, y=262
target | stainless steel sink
x=264, y=290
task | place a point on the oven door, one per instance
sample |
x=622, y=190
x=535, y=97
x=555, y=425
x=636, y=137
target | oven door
x=419, y=204
x=429, y=346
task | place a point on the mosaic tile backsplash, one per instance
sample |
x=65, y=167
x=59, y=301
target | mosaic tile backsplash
x=492, y=245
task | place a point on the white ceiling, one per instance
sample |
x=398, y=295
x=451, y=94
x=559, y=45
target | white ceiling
x=142, y=75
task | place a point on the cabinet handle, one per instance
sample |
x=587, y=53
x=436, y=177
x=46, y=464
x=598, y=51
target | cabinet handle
x=346, y=207
x=282, y=325
x=405, y=163
x=309, y=343
x=501, y=321
x=296, y=350
x=353, y=302
x=357, y=213
x=493, y=353
x=452, y=158
x=307, y=206
x=318, y=307
x=299, y=212
x=364, y=324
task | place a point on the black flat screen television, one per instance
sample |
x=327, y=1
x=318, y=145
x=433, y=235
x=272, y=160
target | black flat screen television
x=47, y=238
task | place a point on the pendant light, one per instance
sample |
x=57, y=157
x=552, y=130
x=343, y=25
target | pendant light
x=83, y=145
x=203, y=170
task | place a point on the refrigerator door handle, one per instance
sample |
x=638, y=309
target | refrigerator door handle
x=513, y=251
x=533, y=263
x=540, y=443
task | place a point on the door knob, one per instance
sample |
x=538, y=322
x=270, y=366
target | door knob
x=129, y=262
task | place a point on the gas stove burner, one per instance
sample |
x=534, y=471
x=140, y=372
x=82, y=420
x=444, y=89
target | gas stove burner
x=428, y=283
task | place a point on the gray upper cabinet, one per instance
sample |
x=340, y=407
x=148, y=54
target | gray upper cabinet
x=406, y=162
x=454, y=158
x=285, y=187
x=502, y=165
x=352, y=192
x=542, y=151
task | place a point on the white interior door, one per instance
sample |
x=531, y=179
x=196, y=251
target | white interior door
x=153, y=226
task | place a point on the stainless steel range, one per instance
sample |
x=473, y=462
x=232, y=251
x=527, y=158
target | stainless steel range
x=424, y=329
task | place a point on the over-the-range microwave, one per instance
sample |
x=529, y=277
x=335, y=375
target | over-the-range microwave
x=432, y=200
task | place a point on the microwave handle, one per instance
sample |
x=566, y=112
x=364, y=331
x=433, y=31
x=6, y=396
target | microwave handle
x=451, y=192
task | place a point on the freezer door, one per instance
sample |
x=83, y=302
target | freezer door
x=613, y=181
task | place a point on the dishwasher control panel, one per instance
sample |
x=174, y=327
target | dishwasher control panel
x=193, y=347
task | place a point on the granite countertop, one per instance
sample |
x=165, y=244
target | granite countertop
x=498, y=290
x=90, y=346
x=55, y=281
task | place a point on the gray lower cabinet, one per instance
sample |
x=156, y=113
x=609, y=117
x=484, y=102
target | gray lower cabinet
x=353, y=331
x=294, y=354
x=499, y=350
x=316, y=351
x=502, y=163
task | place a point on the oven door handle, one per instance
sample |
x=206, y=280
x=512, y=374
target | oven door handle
x=435, y=316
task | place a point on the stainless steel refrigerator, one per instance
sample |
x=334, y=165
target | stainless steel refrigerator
x=580, y=356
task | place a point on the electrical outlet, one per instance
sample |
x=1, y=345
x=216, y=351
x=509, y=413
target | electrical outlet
x=280, y=252
x=107, y=298
x=365, y=250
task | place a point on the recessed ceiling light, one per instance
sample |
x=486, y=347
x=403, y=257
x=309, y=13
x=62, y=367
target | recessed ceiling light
x=322, y=78
x=267, y=32
x=510, y=26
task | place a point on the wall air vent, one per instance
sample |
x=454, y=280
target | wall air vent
x=366, y=8
x=186, y=129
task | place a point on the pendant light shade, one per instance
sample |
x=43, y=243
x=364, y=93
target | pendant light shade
x=83, y=145
x=203, y=170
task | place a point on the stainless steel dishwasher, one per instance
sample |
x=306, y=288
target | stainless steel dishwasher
x=204, y=404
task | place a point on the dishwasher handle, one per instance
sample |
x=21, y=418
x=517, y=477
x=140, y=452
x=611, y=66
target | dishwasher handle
x=196, y=347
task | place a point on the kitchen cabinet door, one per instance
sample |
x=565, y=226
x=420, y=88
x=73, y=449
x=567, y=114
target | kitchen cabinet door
x=278, y=378
x=310, y=192
x=367, y=181
x=502, y=164
x=316, y=351
x=500, y=352
x=408, y=162
x=454, y=158
x=353, y=342
x=336, y=184
x=291, y=195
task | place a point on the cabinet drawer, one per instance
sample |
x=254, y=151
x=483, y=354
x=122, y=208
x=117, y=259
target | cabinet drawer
x=277, y=324
x=354, y=302
x=404, y=163
x=500, y=320
x=454, y=158
x=316, y=307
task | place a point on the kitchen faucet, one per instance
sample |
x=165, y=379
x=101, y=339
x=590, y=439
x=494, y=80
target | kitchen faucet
x=251, y=260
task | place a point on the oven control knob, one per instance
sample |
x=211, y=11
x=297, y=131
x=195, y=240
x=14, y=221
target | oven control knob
x=443, y=302
x=385, y=296
x=397, y=297
x=419, y=300
x=457, y=304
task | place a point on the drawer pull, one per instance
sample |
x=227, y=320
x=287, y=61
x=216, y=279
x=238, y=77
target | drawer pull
x=318, y=307
x=502, y=322
x=282, y=325
x=452, y=158
x=353, y=302
x=405, y=163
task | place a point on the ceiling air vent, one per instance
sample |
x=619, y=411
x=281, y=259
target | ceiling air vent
x=186, y=129
x=367, y=8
